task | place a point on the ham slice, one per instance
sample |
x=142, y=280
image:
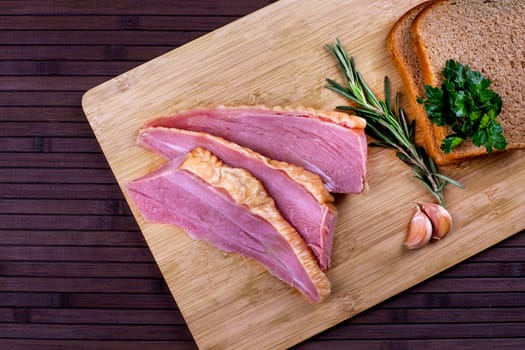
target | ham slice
x=230, y=209
x=332, y=145
x=299, y=194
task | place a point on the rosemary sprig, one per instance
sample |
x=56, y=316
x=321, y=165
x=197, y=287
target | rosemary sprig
x=386, y=123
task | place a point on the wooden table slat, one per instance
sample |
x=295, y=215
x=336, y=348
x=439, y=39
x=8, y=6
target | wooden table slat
x=53, y=160
x=75, y=253
x=101, y=52
x=114, y=22
x=97, y=37
x=72, y=238
x=63, y=67
x=48, y=114
x=45, y=344
x=81, y=301
x=56, y=176
x=103, y=8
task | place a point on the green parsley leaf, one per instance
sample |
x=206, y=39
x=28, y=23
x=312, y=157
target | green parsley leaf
x=466, y=103
x=450, y=142
x=481, y=137
x=434, y=104
x=496, y=134
x=459, y=104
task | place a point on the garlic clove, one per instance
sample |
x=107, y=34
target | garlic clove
x=419, y=230
x=440, y=218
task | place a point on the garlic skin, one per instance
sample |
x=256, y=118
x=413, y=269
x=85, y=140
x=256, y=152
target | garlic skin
x=419, y=230
x=440, y=218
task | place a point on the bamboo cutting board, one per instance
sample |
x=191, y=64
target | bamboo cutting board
x=275, y=56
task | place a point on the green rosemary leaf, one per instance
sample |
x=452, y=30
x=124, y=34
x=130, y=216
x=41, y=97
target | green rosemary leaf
x=336, y=87
x=418, y=173
x=370, y=97
x=403, y=157
x=404, y=123
x=412, y=130
x=449, y=180
x=398, y=109
x=380, y=135
x=432, y=166
x=387, y=94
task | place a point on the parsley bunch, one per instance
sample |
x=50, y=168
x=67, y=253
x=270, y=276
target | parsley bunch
x=465, y=103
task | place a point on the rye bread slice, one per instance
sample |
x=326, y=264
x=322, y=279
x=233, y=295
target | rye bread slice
x=399, y=44
x=487, y=35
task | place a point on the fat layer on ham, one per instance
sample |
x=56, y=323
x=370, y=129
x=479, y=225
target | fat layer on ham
x=299, y=195
x=330, y=144
x=229, y=208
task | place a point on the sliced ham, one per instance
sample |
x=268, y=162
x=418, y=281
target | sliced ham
x=299, y=194
x=332, y=145
x=229, y=208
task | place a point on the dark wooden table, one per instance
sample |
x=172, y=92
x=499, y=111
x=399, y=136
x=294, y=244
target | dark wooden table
x=75, y=272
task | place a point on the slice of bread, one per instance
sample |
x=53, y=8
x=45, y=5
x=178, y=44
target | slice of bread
x=400, y=46
x=487, y=35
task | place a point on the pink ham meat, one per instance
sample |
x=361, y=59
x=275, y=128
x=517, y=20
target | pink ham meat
x=299, y=195
x=230, y=209
x=332, y=145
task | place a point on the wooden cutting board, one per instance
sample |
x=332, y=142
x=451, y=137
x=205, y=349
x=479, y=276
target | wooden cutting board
x=275, y=56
